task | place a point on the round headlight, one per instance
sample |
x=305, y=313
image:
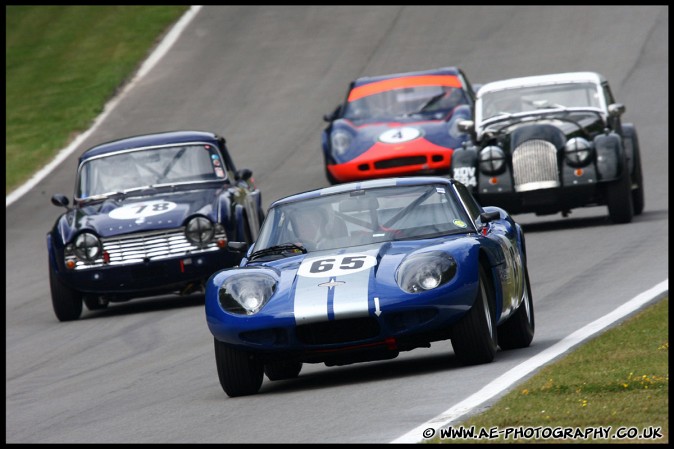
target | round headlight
x=341, y=141
x=87, y=247
x=199, y=231
x=245, y=294
x=578, y=151
x=492, y=160
x=425, y=271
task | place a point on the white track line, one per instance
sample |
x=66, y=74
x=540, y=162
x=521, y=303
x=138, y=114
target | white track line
x=149, y=63
x=502, y=383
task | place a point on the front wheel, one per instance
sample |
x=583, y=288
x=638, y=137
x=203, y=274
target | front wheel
x=474, y=337
x=239, y=372
x=632, y=148
x=67, y=302
x=518, y=330
x=619, y=198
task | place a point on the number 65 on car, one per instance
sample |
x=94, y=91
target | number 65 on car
x=385, y=266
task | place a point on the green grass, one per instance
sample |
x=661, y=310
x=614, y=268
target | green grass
x=63, y=63
x=619, y=379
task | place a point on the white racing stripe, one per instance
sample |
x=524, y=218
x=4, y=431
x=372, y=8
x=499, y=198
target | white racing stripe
x=311, y=301
x=334, y=286
x=350, y=299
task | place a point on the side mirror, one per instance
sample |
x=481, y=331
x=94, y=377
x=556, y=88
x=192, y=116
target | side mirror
x=486, y=217
x=616, y=109
x=333, y=115
x=465, y=126
x=244, y=174
x=60, y=200
x=237, y=247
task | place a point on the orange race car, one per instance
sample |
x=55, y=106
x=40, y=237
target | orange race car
x=397, y=125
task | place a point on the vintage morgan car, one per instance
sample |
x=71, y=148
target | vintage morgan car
x=551, y=143
x=151, y=215
x=362, y=271
x=397, y=125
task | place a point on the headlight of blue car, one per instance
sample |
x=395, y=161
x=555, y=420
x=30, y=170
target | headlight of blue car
x=246, y=294
x=87, y=247
x=341, y=140
x=426, y=271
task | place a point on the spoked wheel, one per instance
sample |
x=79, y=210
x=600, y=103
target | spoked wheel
x=239, y=372
x=518, y=330
x=474, y=337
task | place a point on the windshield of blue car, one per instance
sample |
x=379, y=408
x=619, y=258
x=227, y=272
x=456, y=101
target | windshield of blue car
x=128, y=170
x=491, y=104
x=364, y=217
x=422, y=101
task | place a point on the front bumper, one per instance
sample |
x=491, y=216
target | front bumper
x=545, y=201
x=401, y=324
x=386, y=160
x=151, y=277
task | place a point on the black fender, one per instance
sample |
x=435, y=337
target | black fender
x=610, y=156
x=631, y=144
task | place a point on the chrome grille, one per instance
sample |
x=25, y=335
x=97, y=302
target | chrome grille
x=136, y=248
x=535, y=166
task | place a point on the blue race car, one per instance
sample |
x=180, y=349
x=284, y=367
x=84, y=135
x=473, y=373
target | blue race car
x=151, y=215
x=402, y=124
x=361, y=271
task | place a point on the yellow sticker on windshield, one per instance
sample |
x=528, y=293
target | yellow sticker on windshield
x=460, y=223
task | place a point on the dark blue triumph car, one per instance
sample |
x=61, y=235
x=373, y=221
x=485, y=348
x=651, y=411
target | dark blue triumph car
x=151, y=214
x=361, y=271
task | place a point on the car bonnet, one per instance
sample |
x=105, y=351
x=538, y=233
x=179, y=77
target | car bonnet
x=138, y=214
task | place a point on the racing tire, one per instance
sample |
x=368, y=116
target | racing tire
x=632, y=147
x=474, y=337
x=67, y=302
x=518, y=330
x=619, y=198
x=331, y=179
x=282, y=369
x=239, y=372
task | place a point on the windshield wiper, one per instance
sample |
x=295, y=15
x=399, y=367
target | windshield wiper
x=279, y=249
x=431, y=101
x=169, y=167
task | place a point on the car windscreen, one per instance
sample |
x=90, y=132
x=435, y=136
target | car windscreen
x=157, y=166
x=364, y=217
x=423, y=101
x=531, y=98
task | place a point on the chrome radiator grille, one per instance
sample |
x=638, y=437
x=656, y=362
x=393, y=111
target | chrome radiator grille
x=137, y=248
x=535, y=166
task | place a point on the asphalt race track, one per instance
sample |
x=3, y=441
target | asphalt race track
x=263, y=76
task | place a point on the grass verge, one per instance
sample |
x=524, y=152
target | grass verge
x=63, y=63
x=619, y=379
